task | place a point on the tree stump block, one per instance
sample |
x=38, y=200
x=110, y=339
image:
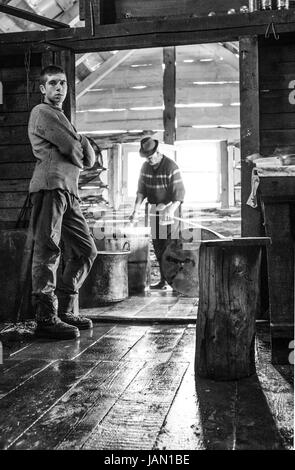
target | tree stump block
x=229, y=277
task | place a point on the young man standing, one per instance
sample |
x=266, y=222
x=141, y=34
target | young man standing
x=160, y=182
x=61, y=154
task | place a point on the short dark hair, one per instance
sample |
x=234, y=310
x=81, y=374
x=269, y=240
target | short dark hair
x=50, y=70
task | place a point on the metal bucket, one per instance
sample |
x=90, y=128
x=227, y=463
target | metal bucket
x=107, y=281
x=137, y=241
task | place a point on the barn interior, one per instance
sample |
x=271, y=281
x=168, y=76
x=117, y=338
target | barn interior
x=213, y=82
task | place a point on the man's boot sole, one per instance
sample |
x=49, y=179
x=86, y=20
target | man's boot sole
x=86, y=326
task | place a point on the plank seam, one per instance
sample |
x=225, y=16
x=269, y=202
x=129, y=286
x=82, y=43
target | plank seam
x=29, y=378
x=54, y=404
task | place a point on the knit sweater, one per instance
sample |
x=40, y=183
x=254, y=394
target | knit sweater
x=60, y=151
x=163, y=184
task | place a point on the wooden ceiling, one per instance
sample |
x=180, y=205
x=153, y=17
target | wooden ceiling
x=123, y=90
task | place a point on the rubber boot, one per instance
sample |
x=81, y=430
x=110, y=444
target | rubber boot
x=66, y=312
x=48, y=324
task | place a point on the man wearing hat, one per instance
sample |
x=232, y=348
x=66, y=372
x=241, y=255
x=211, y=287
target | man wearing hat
x=161, y=183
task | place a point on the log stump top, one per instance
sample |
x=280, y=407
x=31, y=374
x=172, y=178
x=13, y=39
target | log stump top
x=243, y=241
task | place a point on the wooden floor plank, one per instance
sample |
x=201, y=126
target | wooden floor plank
x=22, y=407
x=156, y=382
x=98, y=390
x=23, y=371
x=129, y=425
x=182, y=428
x=128, y=307
x=115, y=344
x=9, y=364
x=157, y=344
x=66, y=349
x=135, y=420
x=256, y=427
x=217, y=409
x=184, y=350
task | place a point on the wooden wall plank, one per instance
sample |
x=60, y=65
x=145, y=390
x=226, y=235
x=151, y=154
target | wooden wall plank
x=9, y=215
x=16, y=153
x=277, y=110
x=18, y=134
x=277, y=137
x=13, y=87
x=124, y=77
x=186, y=73
x=121, y=99
x=208, y=116
x=185, y=117
x=19, y=102
x=14, y=119
x=226, y=94
x=16, y=159
x=189, y=133
x=16, y=171
x=110, y=116
x=12, y=200
x=15, y=185
x=152, y=96
x=277, y=121
x=128, y=125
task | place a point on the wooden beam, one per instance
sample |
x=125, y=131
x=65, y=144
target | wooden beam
x=228, y=56
x=26, y=15
x=70, y=16
x=144, y=34
x=250, y=138
x=169, y=94
x=108, y=140
x=102, y=72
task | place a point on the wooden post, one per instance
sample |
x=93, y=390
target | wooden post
x=66, y=59
x=169, y=93
x=228, y=304
x=224, y=175
x=115, y=176
x=250, y=139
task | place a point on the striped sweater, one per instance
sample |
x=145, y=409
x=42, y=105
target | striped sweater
x=163, y=184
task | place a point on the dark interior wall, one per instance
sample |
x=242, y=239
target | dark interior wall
x=20, y=78
x=277, y=95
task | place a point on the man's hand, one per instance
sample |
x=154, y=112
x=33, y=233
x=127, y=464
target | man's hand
x=133, y=217
x=168, y=214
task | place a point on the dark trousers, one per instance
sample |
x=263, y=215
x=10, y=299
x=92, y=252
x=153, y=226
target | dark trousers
x=57, y=216
x=161, y=236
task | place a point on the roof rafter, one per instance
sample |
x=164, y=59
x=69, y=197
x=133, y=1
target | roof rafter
x=26, y=15
x=102, y=72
